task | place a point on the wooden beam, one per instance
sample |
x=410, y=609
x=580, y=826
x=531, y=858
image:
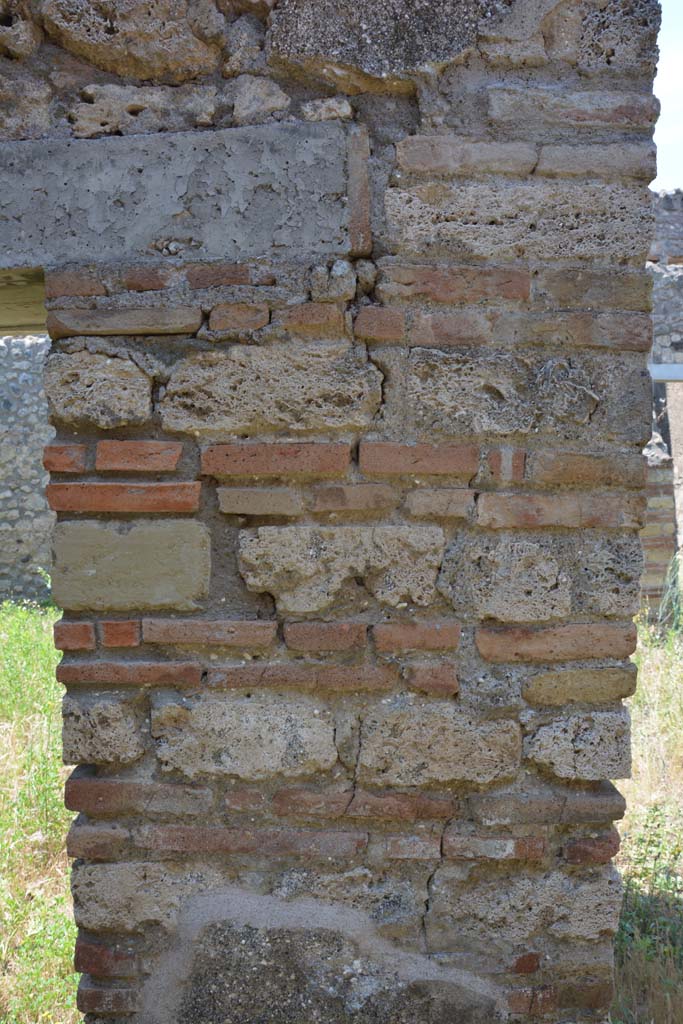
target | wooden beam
x=22, y=302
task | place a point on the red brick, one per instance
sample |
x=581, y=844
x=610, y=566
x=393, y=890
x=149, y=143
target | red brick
x=574, y=511
x=65, y=458
x=267, y=842
x=147, y=320
x=380, y=324
x=527, y=963
x=239, y=316
x=138, y=456
x=120, y=633
x=260, y=501
x=311, y=802
x=124, y=497
x=214, y=275
x=407, y=807
x=276, y=459
x=302, y=676
x=130, y=673
x=495, y=848
x=107, y=797
x=593, y=849
x=62, y=283
x=456, y=285
x=96, y=842
x=549, y=805
x=506, y=465
x=445, y=330
x=426, y=847
x=243, y=799
x=106, y=1002
x=146, y=279
x=360, y=229
x=314, y=320
x=102, y=961
x=621, y=290
x=570, y=642
x=439, y=680
x=386, y=458
x=578, y=470
x=74, y=636
x=325, y=636
x=534, y=1002
x=240, y=633
x=354, y=498
x=416, y=636
x=441, y=503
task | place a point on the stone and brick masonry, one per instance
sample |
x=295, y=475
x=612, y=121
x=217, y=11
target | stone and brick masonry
x=350, y=323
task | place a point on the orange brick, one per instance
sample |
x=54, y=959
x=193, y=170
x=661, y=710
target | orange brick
x=354, y=498
x=622, y=290
x=436, y=680
x=146, y=279
x=96, y=842
x=104, y=961
x=123, y=497
x=496, y=848
x=239, y=316
x=214, y=275
x=442, y=503
x=380, y=324
x=305, y=676
x=62, y=283
x=598, y=849
x=299, y=800
x=506, y=465
x=243, y=799
x=130, y=673
x=276, y=459
x=441, y=330
x=106, y=1002
x=74, y=636
x=533, y=1002
x=259, y=501
x=107, y=797
x=65, y=458
x=569, y=642
x=325, y=636
x=408, y=807
x=416, y=636
x=426, y=847
x=386, y=458
x=240, y=633
x=573, y=511
x=572, y=468
x=138, y=456
x=265, y=842
x=67, y=323
x=314, y=320
x=527, y=963
x=120, y=633
x=456, y=285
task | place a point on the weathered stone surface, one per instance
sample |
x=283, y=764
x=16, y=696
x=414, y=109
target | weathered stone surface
x=297, y=389
x=409, y=742
x=100, y=731
x=491, y=917
x=544, y=108
x=56, y=205
x=128, y=110
x=245, y=42
x=338, y=283
x=539, y=577
x=126, y=898
x=96, y=390
x=144, y=565
x=585, y=685
x=391, y=40
x=585, y=34
x=20, y=35
x=591, y=746
x=305, y=568
x=24, y=106
x=246, y=737
x=540, y=220
x=256, y=99
x=455, y=393
x=336, y=107
x=132, y=38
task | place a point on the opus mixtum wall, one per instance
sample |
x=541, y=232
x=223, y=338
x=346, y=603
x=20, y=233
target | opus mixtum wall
x=349, y=326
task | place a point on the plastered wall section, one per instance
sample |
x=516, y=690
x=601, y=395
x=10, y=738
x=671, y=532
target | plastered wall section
x=349, y=325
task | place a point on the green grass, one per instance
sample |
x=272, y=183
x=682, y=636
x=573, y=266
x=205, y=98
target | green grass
x=37, y=983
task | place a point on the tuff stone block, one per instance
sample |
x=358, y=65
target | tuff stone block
x=591, y=746
x=100, y=731
x=89, y=389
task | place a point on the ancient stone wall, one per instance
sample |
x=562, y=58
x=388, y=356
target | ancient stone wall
x=25, y=520
x=350, y=322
